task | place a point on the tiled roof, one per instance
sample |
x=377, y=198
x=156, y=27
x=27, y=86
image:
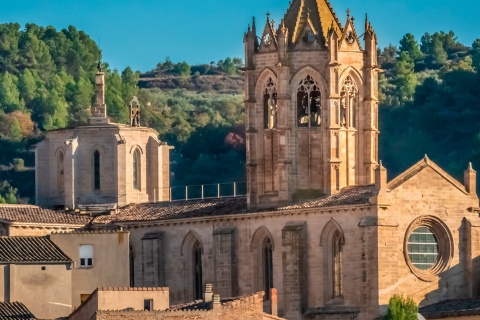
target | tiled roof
x=14, y=311
x=452, y=308
x=229, y=206
x=30, y=250
x=33, y=214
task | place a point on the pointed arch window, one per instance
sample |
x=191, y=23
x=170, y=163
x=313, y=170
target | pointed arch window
x=96, y=170
x=267, y=250
x=60, y=173
x=349, y=103
x=136, y=169
x=337, y=264
x=197, y=271
x=270, y=104
x=308, y=103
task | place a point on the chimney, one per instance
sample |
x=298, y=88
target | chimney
x=380, y=177
x=216, y=301
x=273, y=302
x=470, y=180
x=207, y=296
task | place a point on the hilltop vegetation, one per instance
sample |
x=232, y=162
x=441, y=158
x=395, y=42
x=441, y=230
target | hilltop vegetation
x=430, y=103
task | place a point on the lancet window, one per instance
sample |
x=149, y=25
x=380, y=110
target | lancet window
x=136, y=170
x=267, y=267
x=60, y=173
x=337, y=264
x=348, y=103
x=308, y=103
x=96, y=170
x=270, y=104
x=197, y=271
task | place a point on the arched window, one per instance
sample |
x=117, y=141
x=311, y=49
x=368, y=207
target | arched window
x=308, y=103
x=96, y=170
x=136, y=170
x=332, y=240
x=270, y=104
x=262, y=247
x=267, y=267
x=197, y=271
x=337, y=264
x=349, y=102
x=60, y=173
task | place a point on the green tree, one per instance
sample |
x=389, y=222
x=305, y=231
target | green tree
x=400, y=308
x=406, y=80
x=116, y=107
x=14, y=130
x=27, y=85
x=183, y=69
x=10, y=96
x=409, y=45
x=476, y=54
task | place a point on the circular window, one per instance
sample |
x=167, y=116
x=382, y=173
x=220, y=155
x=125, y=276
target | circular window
x=422, y=248
x=428, y=247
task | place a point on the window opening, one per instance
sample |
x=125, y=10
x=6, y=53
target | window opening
x=267, y=267
x=423, y=248
x=61, y=173
x=136, y=170
x=308, y=103
x=148, y=305
x=337, y=264
x=96, y=169
x=348, y=101
x=197, y=271
x=270, y=104
x=86, y=255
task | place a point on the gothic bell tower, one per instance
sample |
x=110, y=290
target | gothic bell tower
x=311, y=105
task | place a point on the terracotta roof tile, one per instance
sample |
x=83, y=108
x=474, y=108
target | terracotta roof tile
x=452, y=308
x=228, y=206
x=14, y=311
x=34, y=214
x=30, y=250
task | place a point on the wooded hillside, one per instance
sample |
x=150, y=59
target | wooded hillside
x=430, y=103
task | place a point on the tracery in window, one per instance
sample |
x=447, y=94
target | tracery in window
x=96, y=170
x=267, y=267
x=270, y=104
x=348, y=102
x=60, y=173
x=308, y=103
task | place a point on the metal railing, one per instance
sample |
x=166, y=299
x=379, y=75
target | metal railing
x=203, y=191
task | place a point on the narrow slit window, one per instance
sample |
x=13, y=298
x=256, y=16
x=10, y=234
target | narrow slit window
x=267, y=267
x=136, y=170
x=96, y=170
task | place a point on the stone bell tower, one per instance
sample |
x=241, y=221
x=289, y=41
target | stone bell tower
x=311, y=105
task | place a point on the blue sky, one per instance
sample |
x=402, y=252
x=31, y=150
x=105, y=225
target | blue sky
x=141, y=33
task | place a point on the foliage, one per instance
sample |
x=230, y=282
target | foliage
x=400, y=308
x=8, y=194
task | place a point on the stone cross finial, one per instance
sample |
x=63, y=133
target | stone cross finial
x=348, y=13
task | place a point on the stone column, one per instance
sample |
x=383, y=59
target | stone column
x=294, y=269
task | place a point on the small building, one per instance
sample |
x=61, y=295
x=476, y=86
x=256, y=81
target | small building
x=153, y=303
x=122, y=298
x=100, y=258
x=27, y=220
x=37, y=273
